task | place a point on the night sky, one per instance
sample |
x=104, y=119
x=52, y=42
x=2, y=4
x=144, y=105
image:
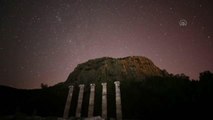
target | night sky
x=42, y=41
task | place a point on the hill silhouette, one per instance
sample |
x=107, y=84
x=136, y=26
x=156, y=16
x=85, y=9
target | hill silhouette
x=147, y=92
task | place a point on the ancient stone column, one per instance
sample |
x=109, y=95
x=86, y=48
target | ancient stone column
x=118, y=100
x=67, y=106
x=80, y=100
x=91, y=100
x=104, y=100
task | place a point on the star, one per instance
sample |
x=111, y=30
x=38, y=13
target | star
x=208, y=36
x=62, y=34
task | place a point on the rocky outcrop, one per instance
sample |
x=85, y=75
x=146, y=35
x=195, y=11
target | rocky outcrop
x=106, y=68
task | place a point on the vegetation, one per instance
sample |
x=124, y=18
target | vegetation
x=171, y=96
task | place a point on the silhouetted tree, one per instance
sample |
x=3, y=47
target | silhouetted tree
x=182, y=76
x=43, y=86
x=206, y=82
x=206, y=76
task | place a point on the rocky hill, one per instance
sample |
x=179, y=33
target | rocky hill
x=106, y=68
x=146, y=93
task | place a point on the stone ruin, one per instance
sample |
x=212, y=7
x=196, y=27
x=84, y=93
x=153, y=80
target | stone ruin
x=91, y=116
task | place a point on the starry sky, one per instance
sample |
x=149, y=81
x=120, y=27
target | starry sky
x=42, y=41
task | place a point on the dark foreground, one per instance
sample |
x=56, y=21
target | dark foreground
x=171, y=97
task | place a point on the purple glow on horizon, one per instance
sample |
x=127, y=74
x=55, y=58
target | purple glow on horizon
x=43, y=41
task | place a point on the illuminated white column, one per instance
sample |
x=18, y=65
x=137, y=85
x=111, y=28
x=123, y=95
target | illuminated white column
x=68, y=103
x=104, y=100
x=118, y=100
x=80, y=100
x=91, y=100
